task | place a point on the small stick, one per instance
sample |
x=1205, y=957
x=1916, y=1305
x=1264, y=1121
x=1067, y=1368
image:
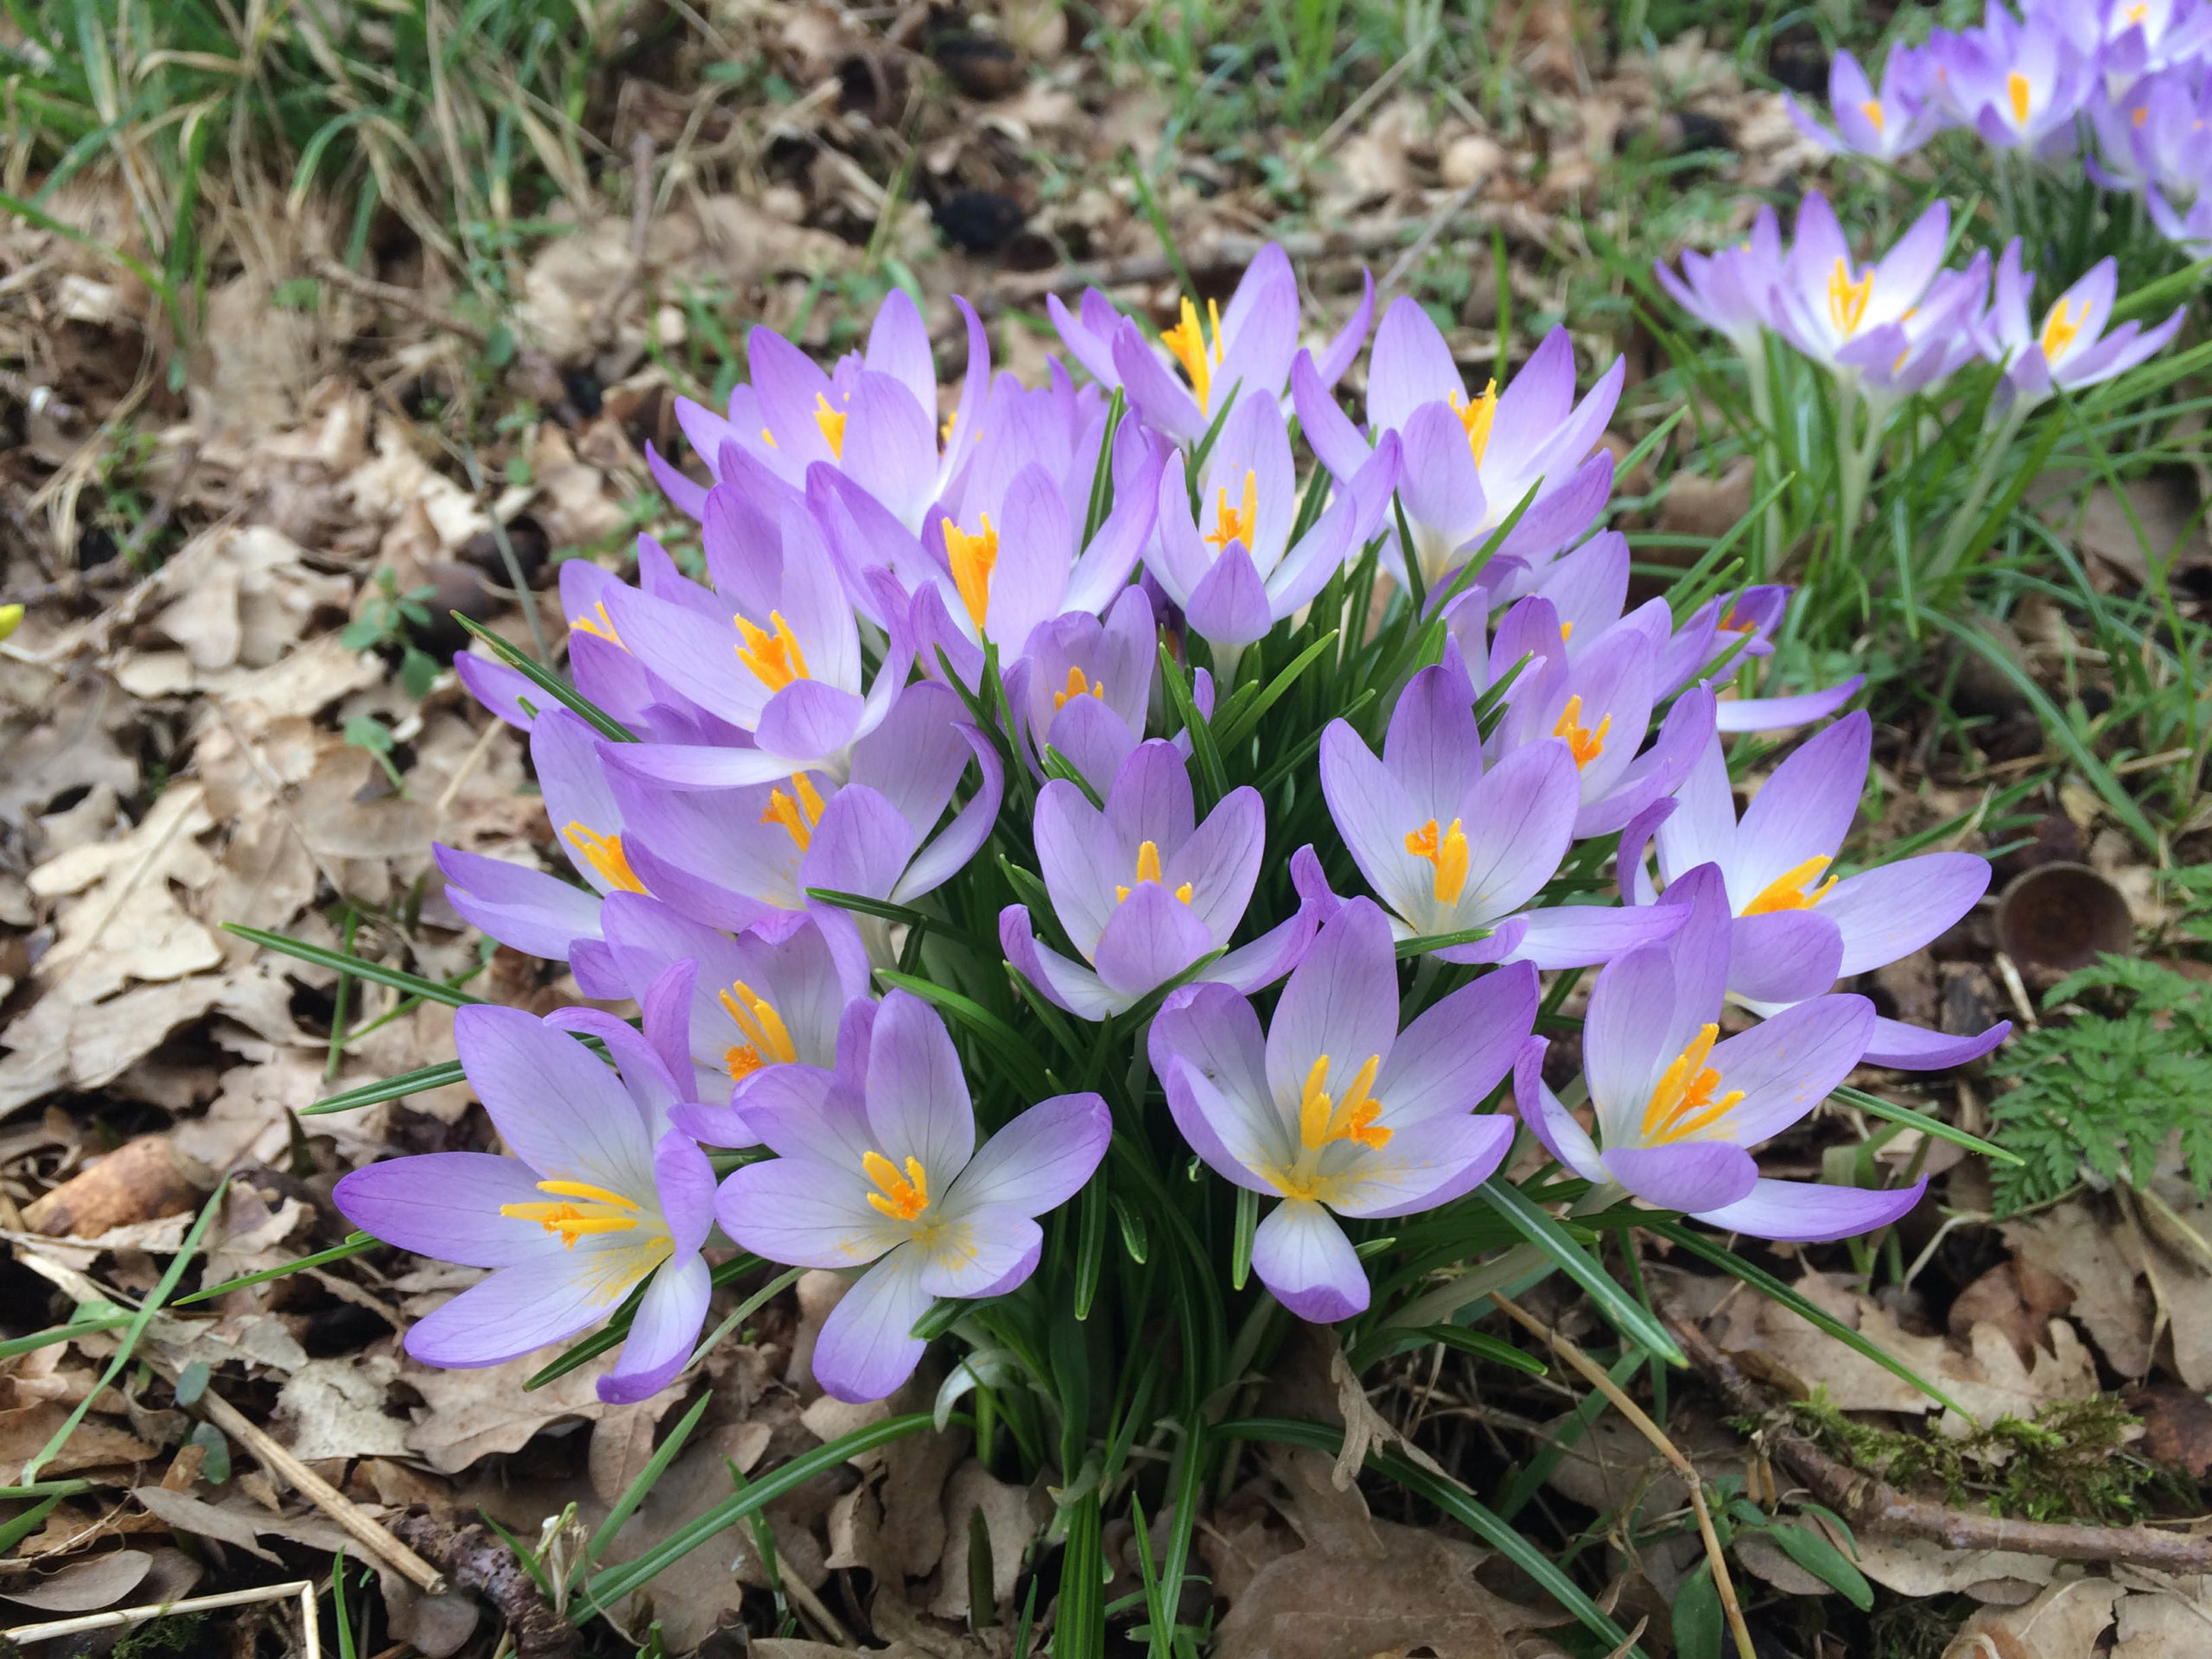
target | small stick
x=123, y=1616
x=399, y=299
x=1439, y=222
x=1594, y=1374
x=1869, y=1501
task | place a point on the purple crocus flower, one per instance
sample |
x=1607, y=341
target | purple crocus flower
x=739, y=1006
x=1732, y=291
x=2019, y=84
x=740, y=858
x=1083, y=687
x=1825, y=300
x=878, y=1164
x=600, y=1193
x=873, y=418
x=1469, y=461
x=1335, y=1109
x=1449, y=846
x=1676, y=1109
x=1245, y=351
x=1899, y=359
x=1232, y=570
x=1143, y=890
x=1887, y=125
x=2153, y=37
x=2072, y=349
x=1797, y=930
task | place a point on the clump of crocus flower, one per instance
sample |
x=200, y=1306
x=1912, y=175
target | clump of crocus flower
x=970, y=847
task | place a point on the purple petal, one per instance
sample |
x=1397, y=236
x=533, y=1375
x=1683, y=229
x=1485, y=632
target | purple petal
x=1341, y=1002
x=1041, y=1160
x=538, y=914
x=865, y=1351
x=1151, y=936
x=1457, y=1051
x=1410, y=366
x=1067, y=984
x=1909, y=1048
x=555, y=1104
x=1805, y=808
x=918, y=1101
x=1891, y=911
x=1551, y=1123
x=1336, y=356
x=1304, y=1259
x=861, y=843
x=686, y=1184
x=1207, y=1048
x=521, y=1309
x=1780, y=714
x=1789, y=1064
x=1784, y=955
x=1328, y=429
x=981, y=1252
x=806, y=723
x=662, y=1332
x=1229, y=605
x=1811, y=1214
x=1221, y=862
x=1583, y=936
x=796, y=1211
x=445, y=1205
x=1691, y=1175
x=1423, y=1167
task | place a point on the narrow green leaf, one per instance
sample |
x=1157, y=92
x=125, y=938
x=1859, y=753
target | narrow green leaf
x=904, y=915
x=1242, y=723
x=1482, y=1346
x=1622, y=1310
x=634, y=1494
x=419, y=1081
x=1015, y=1049
x=429, y=990
x=550, y=682
x=47, y=1339
x=1248, y=1223
x=1809, y=1547
x=1698, y=1623
x=1090, y=1242
x=1102, y=478
x=1421, y=943
x=1202, y=751
x=353, y=1246
x=1875, y=1106
x=13, y=1532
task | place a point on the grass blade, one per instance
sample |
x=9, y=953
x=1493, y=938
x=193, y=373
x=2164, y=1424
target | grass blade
x=1622, y=1310
x=429, y=990
x=1875, y=1106
x=353, y=1246
x=421, y=1080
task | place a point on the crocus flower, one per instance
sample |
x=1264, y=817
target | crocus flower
x=1232, y=568
x=739, y=1007
x=1245, y=351
x=1468, y=460
x=1081, y=687
x=2072, y=349
x=1825, y=300
x=740, y=858
x=1335, y=1109
x=538, y=913
x=1732, y=291
x=1796, y=929
x=1887, y=125
x=1676, y=1109
x=873, y=418
x=880, y=1165
x=2151, y=37
x=1899, y=359
x=600, y=1193
x=772, y=649
x=1143, y=890
x=2019, y=84
x=1449, y=846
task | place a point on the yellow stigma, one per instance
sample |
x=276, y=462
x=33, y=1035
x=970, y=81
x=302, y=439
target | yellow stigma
x=1586, y=743
x=1238, y=523
x=1321, y=1120
x=1148, y=870
x=2060, y=328
x=798, y=812
x=1847, y=299
x=2018, y=90
x=944, y=432
x=902, y=1198
x=1565, y=631
x=596, y=1210
x=1447, y=852
x=1477, y=416
x=599, y=624
x=1786, y=891
x=768, y=1041
x=772, y=652
x=1187, y=345
x=972, y=558
x=604, y=854
x=1872, y=109
x=832, y=422
x=1682, y=1104
x=769, y=438
x=1077, y=687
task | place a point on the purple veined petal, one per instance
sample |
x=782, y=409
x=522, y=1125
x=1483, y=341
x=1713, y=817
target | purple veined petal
x=1890, y=911
x=1588, y=587
x=445, y=1205
x=978, y=1251
x=1548, y=1120
x=1220, y=862
x=898, y=345
x=592, y=966
x=1207, y=1046
x=804, y=1214
x=1336, y=356
x=686, y=1183
x=1780, y=714
x=792, y=392
x=1179, y=557
x=1264, y=304
x=1151, y=936
x=564, y=752
x=861, y=843
x=1254, y=442
x=713, y=1126
x=1456, y=1052
x=1433, y=746
x=1427, y=1164
x=1558, y=518
x=917, y=1103
x=1689, y=1175
x=948, y=853
x=1253, y=967
x=498, y=688
x=1807, y=1213
x=1092, y=737
x=811, y=1116
x=652, y=1090
x=1040, y=1160
x=709, y=853
x=1410, y=366
x=1151, y=800
x=1909, y=1048
x=1502, y=944
x=1353, y=518
x=1373, y=814
x=1031, y=579
x=705, y=431
x=1788, y=1064
x=1235, y=1138
x=1805, y=808
x=687, y=498
x=1519, y=819
x=1904, y=272
x=662, y=1332
x=915, y=757
x=1067, y=984
x=1307, y=1264
x=865, y=1348
x=521, y=1309
x=536, y=913
x=554, y=1102
x=1076, y=857
x=1102, y=571
x=1658, y=770
x=968, y=415
x=1632, y=876
x=1584, y=936
x=1229, y=605
x=1096, y=355
x=1163, y=401
x=1698, y=953
x=1329, y=431
x=1701, y=829
x=806, y=723
x=1628, y=1035
x=696, y=768
x=1784, y=955
x=1341, y=1003
x=1441, y=486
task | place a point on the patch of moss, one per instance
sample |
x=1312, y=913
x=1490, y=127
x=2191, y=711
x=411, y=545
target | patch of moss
x=179, y=1633
x=2070, y=1463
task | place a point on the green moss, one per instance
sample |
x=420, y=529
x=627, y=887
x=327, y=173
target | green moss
x=180, y=1633
x=2070, y=1463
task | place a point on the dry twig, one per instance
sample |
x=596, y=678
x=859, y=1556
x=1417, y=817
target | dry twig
x=399, y=299
x=479, y=1558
